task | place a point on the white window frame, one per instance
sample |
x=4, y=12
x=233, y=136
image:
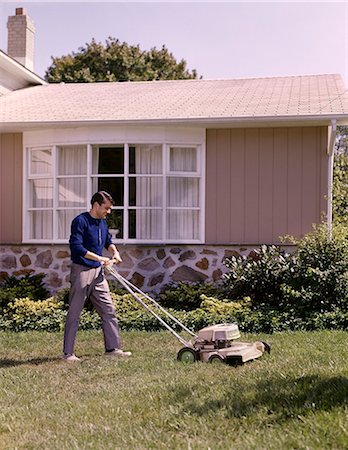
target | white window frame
x=166, y=173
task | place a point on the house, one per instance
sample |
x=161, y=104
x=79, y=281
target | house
x=199, y=169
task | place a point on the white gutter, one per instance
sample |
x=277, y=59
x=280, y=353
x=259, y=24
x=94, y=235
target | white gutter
x=255, y=121
x=331, y=155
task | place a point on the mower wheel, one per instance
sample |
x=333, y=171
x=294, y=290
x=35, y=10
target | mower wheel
x=187, y=355
x=267, y=346
x=216, y=359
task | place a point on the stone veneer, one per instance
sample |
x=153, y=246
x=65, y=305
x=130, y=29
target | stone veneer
x=148, y=267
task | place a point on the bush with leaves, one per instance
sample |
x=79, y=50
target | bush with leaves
x=186, y=296
x=259, y=275
x=319, y=278
x=314, y=279
x=30, y=286
x=23, y=314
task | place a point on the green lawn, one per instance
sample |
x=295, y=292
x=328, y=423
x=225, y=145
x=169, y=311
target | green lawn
x=296, y=398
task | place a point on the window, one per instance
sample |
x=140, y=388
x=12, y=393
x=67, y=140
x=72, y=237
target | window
x=157, y=190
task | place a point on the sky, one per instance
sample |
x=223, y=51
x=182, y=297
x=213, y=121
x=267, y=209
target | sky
x=221, y=40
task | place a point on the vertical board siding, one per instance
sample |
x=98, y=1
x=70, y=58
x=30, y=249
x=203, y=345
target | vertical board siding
x=264, y=183
x=211, y=188
x=295, y=176
x=235, y=202
x=310, y=201
x=251, y=182
x=11, y=182
x=266, y=188
x=223, y=183
x=280, y=182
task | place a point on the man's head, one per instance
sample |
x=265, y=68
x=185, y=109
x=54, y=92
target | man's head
x=101, y=203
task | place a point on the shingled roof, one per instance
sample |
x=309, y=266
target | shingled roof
x=195, y=101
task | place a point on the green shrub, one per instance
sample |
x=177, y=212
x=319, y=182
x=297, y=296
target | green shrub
x=312, y=280
x=23, y=314
x=319, y=278
x=186, y=296
x=30, y=286
x=340, y=188
x=258, y=276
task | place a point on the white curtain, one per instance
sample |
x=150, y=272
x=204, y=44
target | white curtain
x=72, y=187
x=149, y=191
x=183, y=159
x=41, y=225
x=40, y=193
x=182, y=195
x=41, y=161
x=72, y=162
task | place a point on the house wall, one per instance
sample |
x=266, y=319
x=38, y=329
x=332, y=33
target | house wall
x=11, y=176
x=264, y=183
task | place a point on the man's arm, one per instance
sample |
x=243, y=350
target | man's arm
x=115, y=253
x=95, y=257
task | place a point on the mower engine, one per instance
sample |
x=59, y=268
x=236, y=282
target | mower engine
x=217, y=336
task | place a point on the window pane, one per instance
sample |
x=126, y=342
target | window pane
x=182, y=224
x=41, y=193
x=64, y=222
x=145, y=224
x=183, y=159
x=115, y=223
x=182, y=192
x=108, y=160
x=41, y=225
x=145, y=158
x=40, y=162
x=72, y=192
x=145, y=191
x=72, y=160
x=114, y=186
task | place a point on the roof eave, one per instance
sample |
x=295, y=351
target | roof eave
x=17, y=68
x=206, y=122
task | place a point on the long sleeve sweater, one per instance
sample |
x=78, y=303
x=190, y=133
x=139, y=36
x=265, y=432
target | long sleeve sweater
x=88, y=234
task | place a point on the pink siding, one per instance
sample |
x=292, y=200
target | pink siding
x=264, y=183
x=11, y=163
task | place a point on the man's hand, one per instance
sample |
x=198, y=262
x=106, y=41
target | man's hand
x=116, y=258
x=104, y=261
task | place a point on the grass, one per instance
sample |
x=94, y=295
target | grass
x=296, y=398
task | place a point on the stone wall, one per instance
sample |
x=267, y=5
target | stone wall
x=148, y=267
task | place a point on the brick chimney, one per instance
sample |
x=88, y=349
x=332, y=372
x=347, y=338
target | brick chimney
x=21, y=37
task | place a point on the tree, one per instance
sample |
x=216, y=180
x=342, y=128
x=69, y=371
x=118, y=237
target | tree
x=340, y=175
x=116, y=61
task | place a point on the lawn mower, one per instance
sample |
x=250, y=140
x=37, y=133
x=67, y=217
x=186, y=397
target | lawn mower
x=213, y=344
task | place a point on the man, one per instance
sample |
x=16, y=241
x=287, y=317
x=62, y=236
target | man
x=89, y=236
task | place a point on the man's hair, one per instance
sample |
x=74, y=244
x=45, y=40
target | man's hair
x=100, y=197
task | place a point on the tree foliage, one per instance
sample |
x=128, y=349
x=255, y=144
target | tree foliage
x=117, y=61
x=340, y=177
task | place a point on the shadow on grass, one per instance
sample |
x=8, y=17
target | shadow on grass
x=20, y=362
x=276, y=398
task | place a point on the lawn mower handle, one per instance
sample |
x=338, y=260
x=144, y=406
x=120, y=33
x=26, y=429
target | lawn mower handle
x=131, y=288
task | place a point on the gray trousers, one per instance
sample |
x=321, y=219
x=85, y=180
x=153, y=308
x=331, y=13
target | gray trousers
x=90, y=283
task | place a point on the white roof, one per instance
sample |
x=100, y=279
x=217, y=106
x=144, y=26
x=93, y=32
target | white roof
x=194, y=101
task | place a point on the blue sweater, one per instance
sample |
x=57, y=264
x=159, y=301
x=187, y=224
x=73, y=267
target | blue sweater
x=88, y=234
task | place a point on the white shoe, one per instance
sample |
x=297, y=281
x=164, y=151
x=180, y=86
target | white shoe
x=118, y=353
x=70, y=357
